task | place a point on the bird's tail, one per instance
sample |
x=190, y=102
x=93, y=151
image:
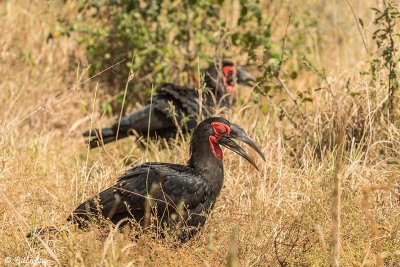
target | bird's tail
x=99, y=137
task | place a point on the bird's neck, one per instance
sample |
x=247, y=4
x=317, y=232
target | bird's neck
x=207, y=166
x=205, y=162
x=211, y=170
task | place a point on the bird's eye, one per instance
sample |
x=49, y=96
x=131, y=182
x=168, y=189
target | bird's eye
x=222, y=131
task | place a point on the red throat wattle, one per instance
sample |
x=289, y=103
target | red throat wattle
x=229, y=88
x=215, y=148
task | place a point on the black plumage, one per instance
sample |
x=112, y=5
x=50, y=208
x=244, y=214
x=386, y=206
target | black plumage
x=175, y=105
x=179, y=196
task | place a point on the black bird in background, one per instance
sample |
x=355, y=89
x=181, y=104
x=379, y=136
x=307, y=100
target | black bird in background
x=220, y=79
x=179, y=196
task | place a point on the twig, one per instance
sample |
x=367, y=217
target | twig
x=283, y=45
x=291, y=97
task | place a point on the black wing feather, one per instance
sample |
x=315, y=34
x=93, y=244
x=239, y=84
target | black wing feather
x=167, y=185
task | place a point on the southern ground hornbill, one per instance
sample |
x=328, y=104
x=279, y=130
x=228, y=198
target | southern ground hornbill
x=157, y=119
x=179, y=197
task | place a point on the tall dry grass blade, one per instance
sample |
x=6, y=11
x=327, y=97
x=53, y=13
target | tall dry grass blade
x=130, y=78
x=232, y=257
x=21, y=219
x=8, y=128
x=357, y=21
x=337, y=193
x=369, y=212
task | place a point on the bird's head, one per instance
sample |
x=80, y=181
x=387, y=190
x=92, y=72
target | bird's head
x=218, y=131
x=225, y=75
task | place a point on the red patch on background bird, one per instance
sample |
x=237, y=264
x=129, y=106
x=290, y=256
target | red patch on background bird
x=220, y=129
x=229, y=71
x=215, y=148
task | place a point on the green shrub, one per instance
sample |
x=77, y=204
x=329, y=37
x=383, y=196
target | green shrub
x=166, y=41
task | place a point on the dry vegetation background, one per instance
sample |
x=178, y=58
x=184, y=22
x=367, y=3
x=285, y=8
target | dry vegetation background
x=336, y=155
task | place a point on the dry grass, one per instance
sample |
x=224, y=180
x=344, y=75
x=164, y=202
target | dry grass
x=279, y=216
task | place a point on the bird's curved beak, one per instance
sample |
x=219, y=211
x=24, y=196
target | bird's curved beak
x=244, y=78
x=238, y=133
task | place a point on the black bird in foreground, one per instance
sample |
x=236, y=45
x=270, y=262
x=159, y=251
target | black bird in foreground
x=158, y=119
x=179, y=196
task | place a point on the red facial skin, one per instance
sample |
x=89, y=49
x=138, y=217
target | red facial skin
x=220, y=129
x=228, y=72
